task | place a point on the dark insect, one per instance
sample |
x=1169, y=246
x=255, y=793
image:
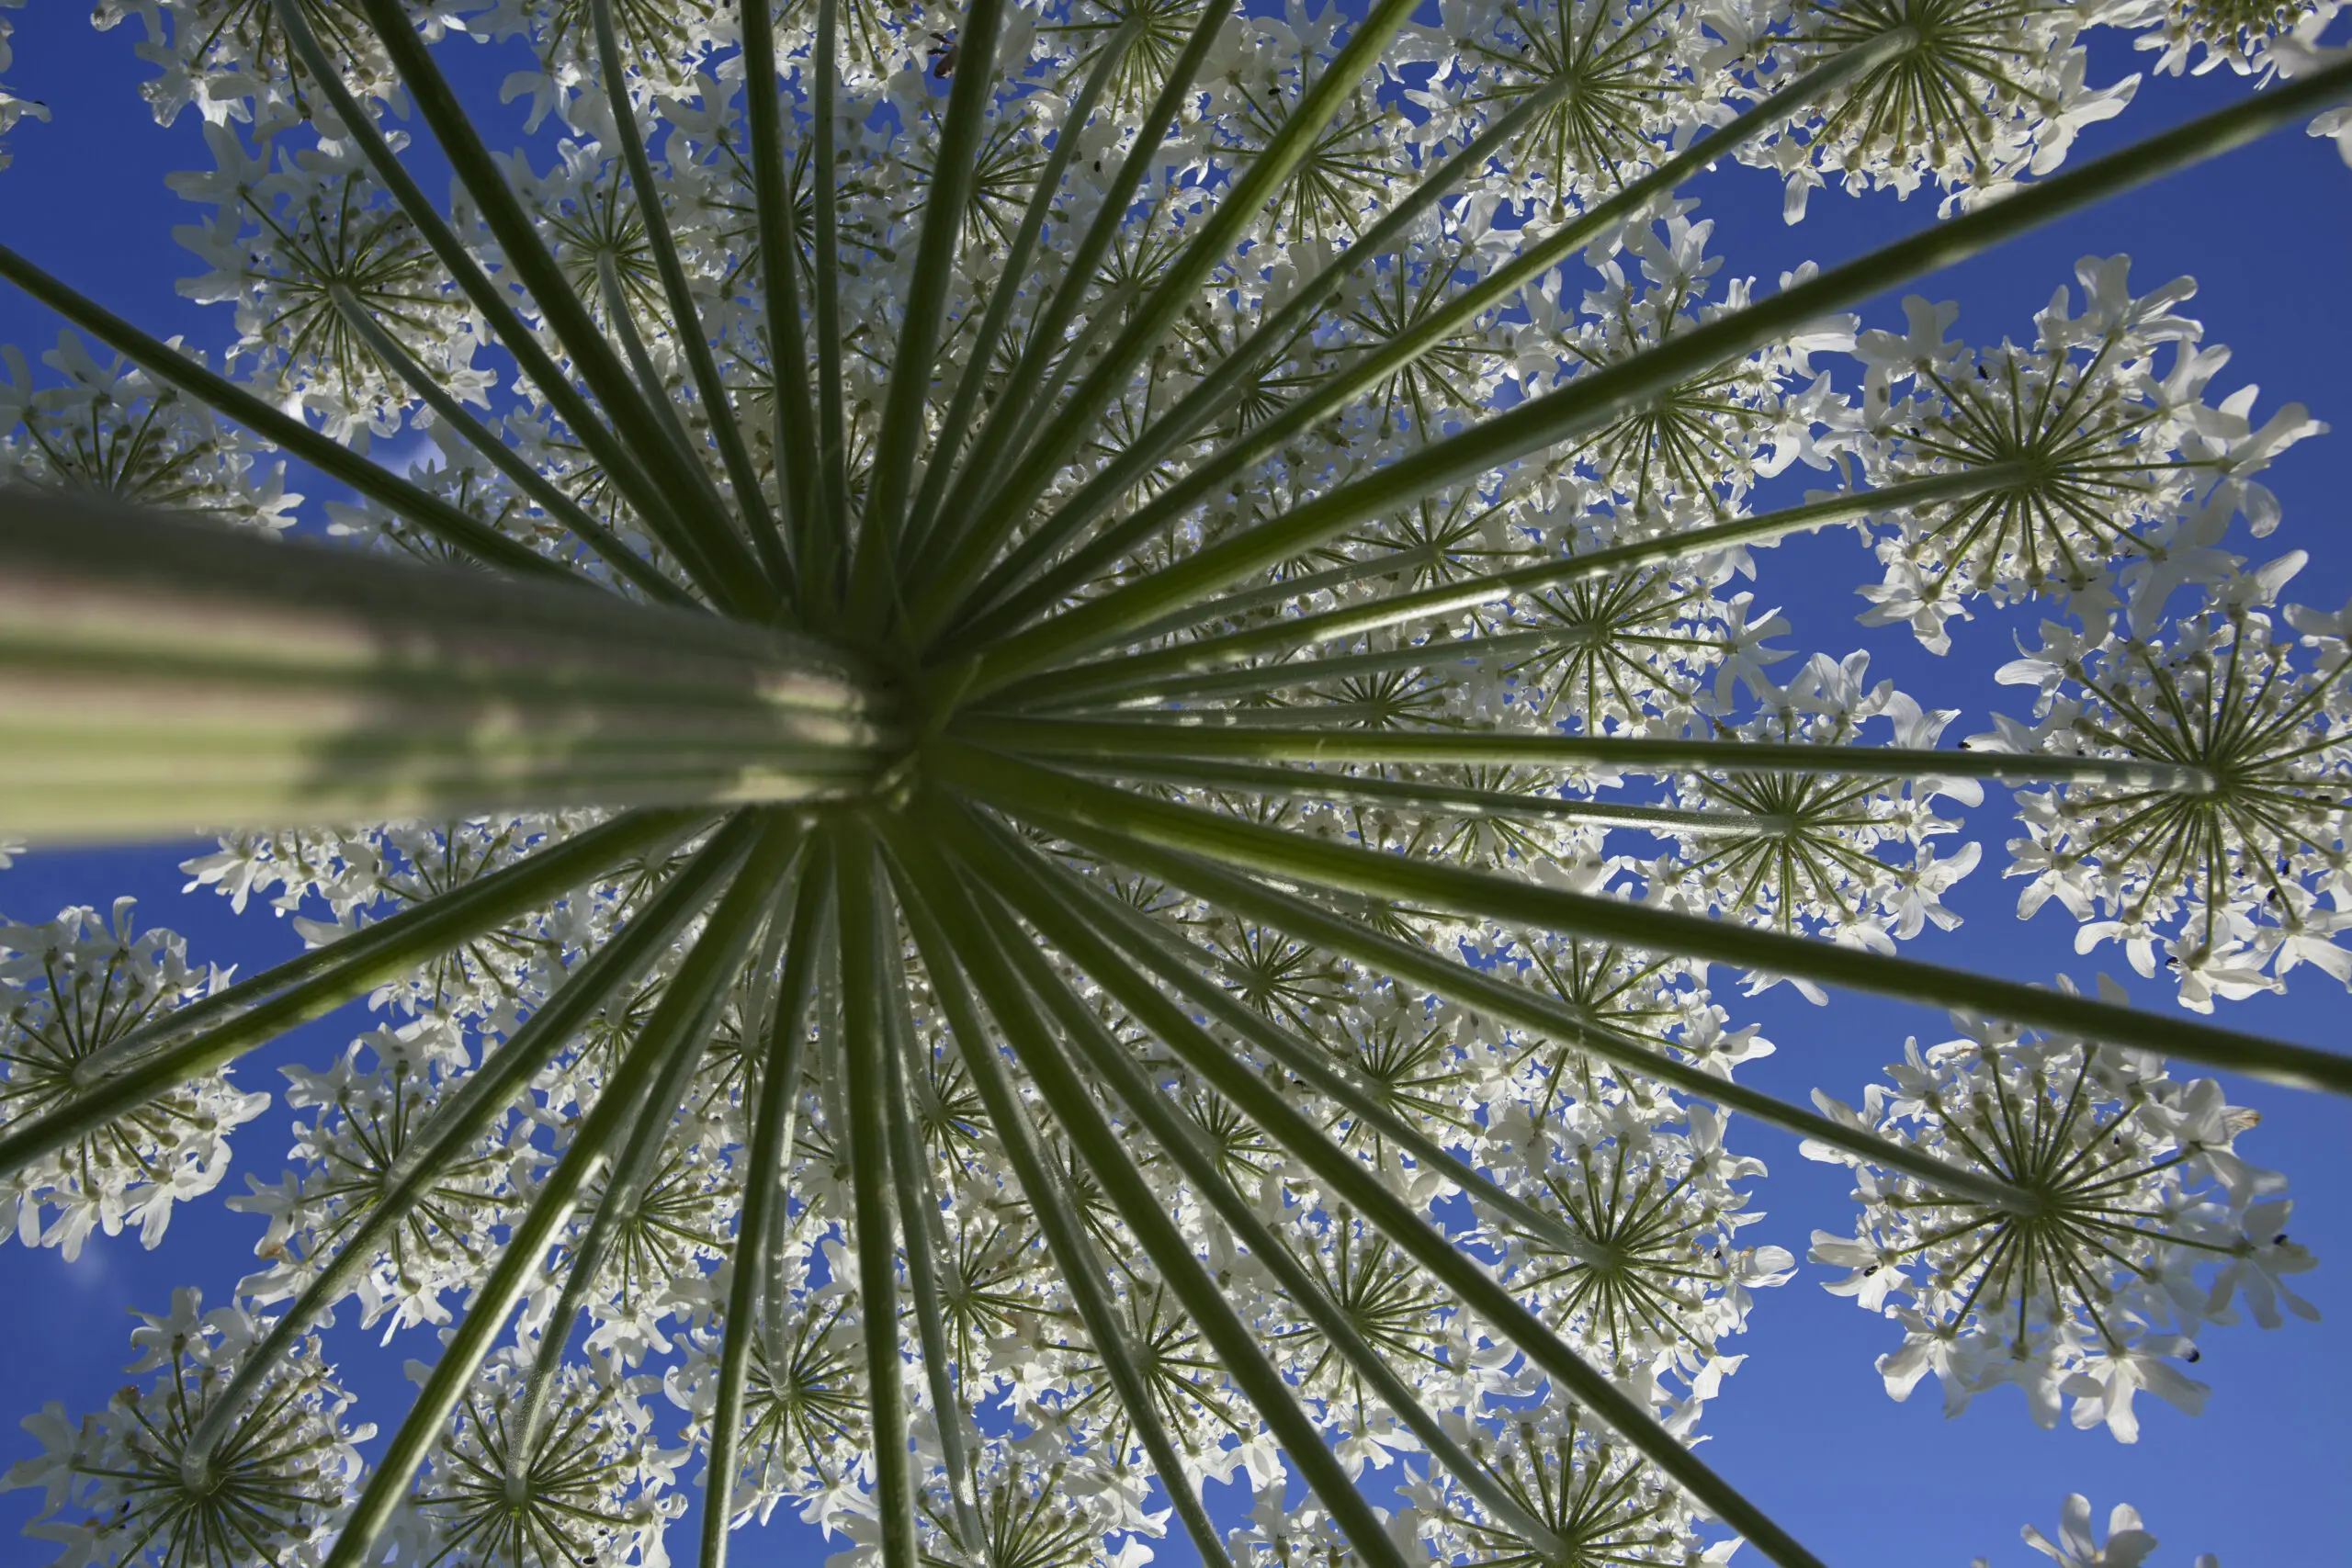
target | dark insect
x=944, y=51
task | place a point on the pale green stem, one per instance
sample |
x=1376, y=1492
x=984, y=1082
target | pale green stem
x=1178, y=285
x=904, y=405
x=750, y=503
x=1135, y=461
x=407, y=500
x=506, y=458
x=948, y=447
x=1083, y=809
x=768, y=1164
x=919, y=1219
x=1029, y=381
x=487, y=298
x=621, y=323
x=1019, y=885
x=689, y=1006
x=1238, y=1354
x=1135, y=671
x=1293, y=736
x=1388, y=955
x=865, y=1146
x=1600, y=398
x=737, y=584
x=334, y=972
x=648, y=1063
x=800, y=482
x=928, y=888
x=826, y=533
x=1447, y=800
x=457, y=1121
x=155, y=673
x=1468, y=1279
x=1494, y=289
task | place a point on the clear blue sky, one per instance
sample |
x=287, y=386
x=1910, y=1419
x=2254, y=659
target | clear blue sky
x=1804, y=1425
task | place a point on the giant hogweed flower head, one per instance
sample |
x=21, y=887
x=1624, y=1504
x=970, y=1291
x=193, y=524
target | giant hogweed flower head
x=1043, y=796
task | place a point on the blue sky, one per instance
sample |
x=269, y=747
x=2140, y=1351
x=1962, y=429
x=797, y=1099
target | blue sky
x=1804, y=1425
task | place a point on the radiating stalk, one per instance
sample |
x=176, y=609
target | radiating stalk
x=691, y=1000
x=904, y=405
x=621, y=323
x=828, y=531
x=1178, y=287
x=518, y=470
x=651, y=1061
x=1496, y=289
x=751, y=502
x=1215, y=392
x=931, y=894
x=738, y=584
x=1448, y=800
x=926, y=1250
x=865, y=1036
x=488, y=300
x=155, y=673
x=947, y=449
x=1297, y=737
x=1441, y=650
x=1088, y=810
x=460, y=1120
x=1029, y=382
x=412, y=503
x=1151, y=947
x=1179, y=1142
x=1238, y=1354
x=1467, y=1278
x=799, y=486
x=333, y=973
x=1134, y=671
x=768, y=1166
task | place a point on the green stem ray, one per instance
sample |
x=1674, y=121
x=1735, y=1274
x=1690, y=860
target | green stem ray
x=461, y=1119
x=989, y=960
x=736, y=581
x=1391, y=1217
x=1445, y=800
x=1219, y=735
x=1090, y=811
x=914, y=364
x=1216, y=390
x=685, y=315
x=910, y=1177
x=1601, y=397
x=799, y=485
x=1029, y=381
x=934, y=901
x=1135, y=672
x=491, y=302
x=1158, y=310
x=769, y=1163
x=154, y=673
x=689, y=1006
x=409, y=502
x=866, y=1038
x=506, y=460
x=1017, y=880
x=650, y=1062
x=1333, y=394
x=949, y=444
x=825, y=530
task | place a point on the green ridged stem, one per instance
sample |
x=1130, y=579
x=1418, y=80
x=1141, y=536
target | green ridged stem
x=651, y=1061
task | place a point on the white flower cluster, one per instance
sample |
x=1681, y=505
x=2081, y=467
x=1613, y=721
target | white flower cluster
x=118, y=1490
x=2149, y=1226
x=68, y=991
x=2222, y=882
